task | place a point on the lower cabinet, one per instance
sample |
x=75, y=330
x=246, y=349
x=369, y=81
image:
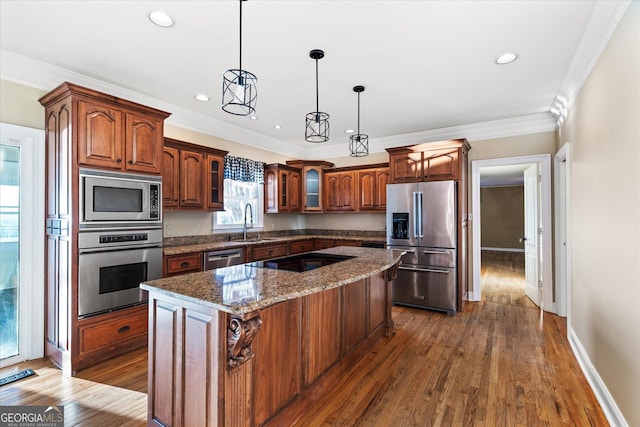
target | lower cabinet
x=105, y=336
x=175, y=265
x=301, y=246
x=260, y=252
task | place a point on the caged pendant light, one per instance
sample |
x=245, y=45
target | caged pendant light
x=317, y=129
x=239, y=93
x=358, y=143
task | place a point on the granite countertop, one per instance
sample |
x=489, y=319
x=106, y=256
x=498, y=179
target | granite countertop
x=212, y=246
x=245, y=288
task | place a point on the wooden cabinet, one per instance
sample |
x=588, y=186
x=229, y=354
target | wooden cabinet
x=354, y=314
x=84, y=127
x=324, y=243
x=312, y=181
x=175, y=265
x=192, y=177
x=301, y=246
x=340, y=192
x=372, y=184
x=112, y=137
x=434, y=161
x=266, y=251
x=282, y=188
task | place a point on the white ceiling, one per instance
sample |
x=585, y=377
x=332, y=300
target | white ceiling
x=426, y=65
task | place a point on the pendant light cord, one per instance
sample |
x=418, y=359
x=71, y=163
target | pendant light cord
x=241, y=36
x=358, y=113
x=317, y=92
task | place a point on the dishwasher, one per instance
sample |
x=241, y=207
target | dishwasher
x=223, y=258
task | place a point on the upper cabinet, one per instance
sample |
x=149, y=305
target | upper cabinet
x=372, y=184
x=281, y=188
x=312, y=183
x=340, y=191
x=435, y=161
x=192, y=177
x=113, y=137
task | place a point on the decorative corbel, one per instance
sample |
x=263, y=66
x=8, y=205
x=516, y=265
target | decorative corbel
x=240, y=335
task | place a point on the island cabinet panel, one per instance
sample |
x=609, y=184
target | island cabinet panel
x=322, y=327
x=377, y=301
x=277, y=361
x=185, y=348
x=354, y=314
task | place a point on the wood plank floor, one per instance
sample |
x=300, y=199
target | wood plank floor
x=498, y=363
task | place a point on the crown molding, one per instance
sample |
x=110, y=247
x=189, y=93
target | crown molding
x=603, y=21
x=41, y=75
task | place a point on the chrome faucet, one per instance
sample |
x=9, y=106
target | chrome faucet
x=244, y=228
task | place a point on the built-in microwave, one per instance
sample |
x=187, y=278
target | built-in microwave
x=114, y=199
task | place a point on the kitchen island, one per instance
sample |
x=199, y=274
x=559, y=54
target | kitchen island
x=253, y=344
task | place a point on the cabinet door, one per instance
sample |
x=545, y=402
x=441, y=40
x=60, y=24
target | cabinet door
x=354, y=314
x=347, y=194
x=441, y=164
x=270, y=191
x=170, y=177
x=100, y=135
x=382, y=179
x=143, y=144
x=405, y=167
x=367, y=183
x=312, y=188
x=332, y=192
x=294, y=192
x=191, y=170
x=215, y=182
x=284, y=189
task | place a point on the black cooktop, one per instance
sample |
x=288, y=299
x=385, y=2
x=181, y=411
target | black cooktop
x=302, y=262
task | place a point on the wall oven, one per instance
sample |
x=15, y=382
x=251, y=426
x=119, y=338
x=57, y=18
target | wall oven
x=111, y=266
x=113, y=199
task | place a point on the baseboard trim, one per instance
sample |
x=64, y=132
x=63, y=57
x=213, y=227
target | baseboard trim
x=609, y=407
x=502, y=249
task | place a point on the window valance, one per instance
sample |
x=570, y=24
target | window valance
x=241, y=169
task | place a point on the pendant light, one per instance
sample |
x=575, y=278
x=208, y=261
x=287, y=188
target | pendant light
x=239, y=93
x=317, y=122
x=359, y=143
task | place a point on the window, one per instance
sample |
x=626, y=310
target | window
x=243, y=185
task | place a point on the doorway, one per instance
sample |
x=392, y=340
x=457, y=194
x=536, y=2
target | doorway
x=21, y=243
x=542, y=256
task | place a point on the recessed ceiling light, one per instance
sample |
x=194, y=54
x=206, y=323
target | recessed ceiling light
x=161, y=19
x=254, y=117
x=276, y=127
x=349, y=131
x=202, y=97
x=506, y=58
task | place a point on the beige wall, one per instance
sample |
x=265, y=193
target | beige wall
x=502, y=211
x=19, y=105
x=603, y=128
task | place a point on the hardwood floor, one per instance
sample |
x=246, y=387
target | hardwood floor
x=497, y=363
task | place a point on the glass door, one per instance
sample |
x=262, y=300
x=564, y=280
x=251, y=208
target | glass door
x=9, y=249
x=21, y=244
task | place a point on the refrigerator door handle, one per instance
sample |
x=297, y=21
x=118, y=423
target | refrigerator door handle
x=427, y=270
x=420, y=217
x=415, y=214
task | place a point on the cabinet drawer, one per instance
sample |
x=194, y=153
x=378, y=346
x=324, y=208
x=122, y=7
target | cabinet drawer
x=301, y=246
x=266, y=252
x=325, y=243
x=112, y=331
x=184, y=263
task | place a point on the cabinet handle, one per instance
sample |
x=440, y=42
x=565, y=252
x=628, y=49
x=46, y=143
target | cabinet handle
x=270, y=251
x=123, y=329
x=184, y=264
x=130, y=162
x=118, y=160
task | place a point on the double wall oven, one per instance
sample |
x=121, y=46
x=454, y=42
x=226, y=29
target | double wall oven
x=120, y=239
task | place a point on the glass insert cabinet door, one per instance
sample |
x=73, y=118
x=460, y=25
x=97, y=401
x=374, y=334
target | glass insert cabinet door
x=312, y=188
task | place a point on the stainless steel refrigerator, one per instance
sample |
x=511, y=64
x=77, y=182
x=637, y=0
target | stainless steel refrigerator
x=421, y=219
